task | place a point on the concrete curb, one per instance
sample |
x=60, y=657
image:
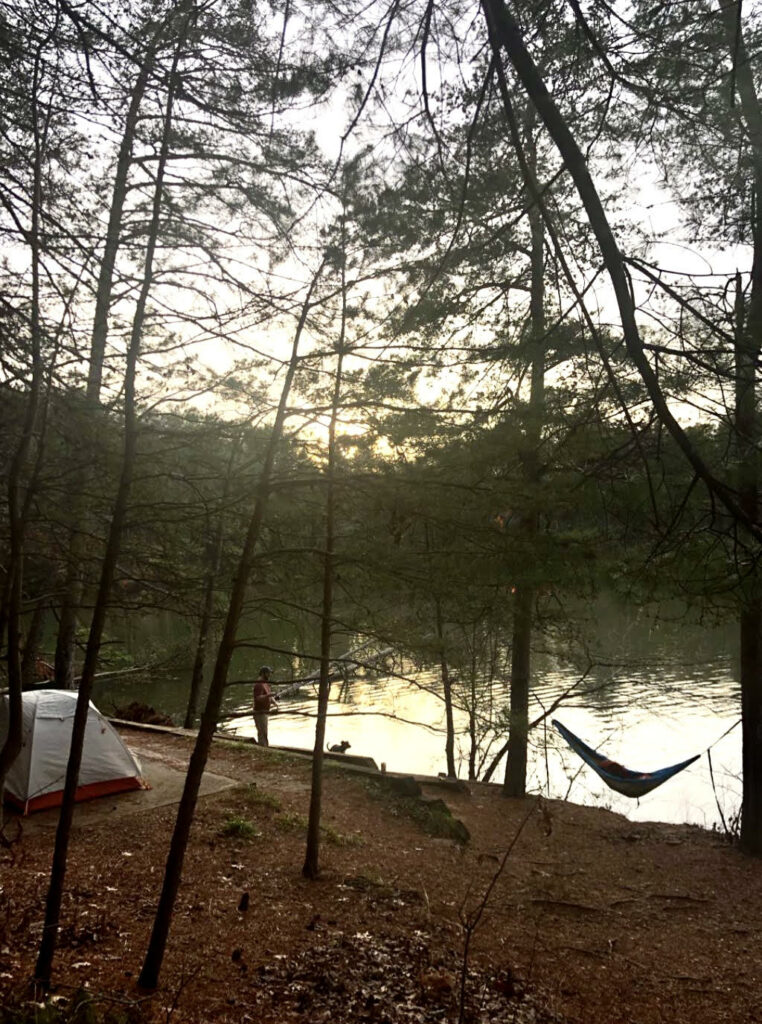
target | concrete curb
x=349, y=762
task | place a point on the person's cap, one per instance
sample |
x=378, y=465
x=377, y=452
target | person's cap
x=265, y=671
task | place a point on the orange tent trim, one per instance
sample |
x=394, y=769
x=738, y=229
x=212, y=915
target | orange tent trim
x=90, y=792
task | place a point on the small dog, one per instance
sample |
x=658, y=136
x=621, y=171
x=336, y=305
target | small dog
x=339, y=748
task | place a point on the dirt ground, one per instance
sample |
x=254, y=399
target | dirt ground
x=593, y=920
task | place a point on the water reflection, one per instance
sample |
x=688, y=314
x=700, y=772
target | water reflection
x=642, y=725
x=656, y=695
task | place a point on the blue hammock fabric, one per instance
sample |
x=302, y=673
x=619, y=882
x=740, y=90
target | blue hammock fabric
x=616, y=776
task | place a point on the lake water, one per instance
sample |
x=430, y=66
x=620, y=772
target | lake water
x=659, y=695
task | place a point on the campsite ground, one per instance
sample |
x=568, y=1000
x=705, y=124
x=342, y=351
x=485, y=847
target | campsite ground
x=593, y=919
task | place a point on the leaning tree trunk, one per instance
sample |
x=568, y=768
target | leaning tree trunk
x=110, y=558
x=149, y=975
x=505, y=34
x=197, y=675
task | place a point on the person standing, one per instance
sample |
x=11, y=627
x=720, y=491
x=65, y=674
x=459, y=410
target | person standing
x=264, y=704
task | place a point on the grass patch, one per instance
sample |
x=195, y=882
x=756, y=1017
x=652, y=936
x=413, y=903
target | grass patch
x=239, y=828
x=335, y=838
x=254, y=797
x=234, y=746
x=290, y=821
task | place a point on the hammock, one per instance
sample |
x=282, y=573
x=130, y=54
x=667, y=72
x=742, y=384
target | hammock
x=629, y=783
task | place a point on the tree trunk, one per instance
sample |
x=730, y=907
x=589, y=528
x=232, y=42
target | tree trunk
x=748, y=343
x=447, y=692
x=32, y=644
x=750, y=621
x=473, y=745
x=17, y=506
x=523, y=603
x=311, y=868
x=197, y=676
x=73, y=583
x=149, y=975
x=444, y=667
x=67, y=623
x=504, y=33
x=110, y=558
x=516, y=765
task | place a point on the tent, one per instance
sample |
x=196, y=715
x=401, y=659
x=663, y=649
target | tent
x=36, y=778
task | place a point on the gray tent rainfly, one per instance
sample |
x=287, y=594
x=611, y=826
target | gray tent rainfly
x=36, y=778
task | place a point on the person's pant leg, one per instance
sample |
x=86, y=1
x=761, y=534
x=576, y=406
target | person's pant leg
x=260, y=720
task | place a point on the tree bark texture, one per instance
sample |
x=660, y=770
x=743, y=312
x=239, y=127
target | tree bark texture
x=524, y=597
x=32, y=644
x=748, y=343
x=73, y=584
x=444, y=665
x=18, y=507
x=447, y=693
x=197, y=676
x=505, y=35
x=311, y=868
